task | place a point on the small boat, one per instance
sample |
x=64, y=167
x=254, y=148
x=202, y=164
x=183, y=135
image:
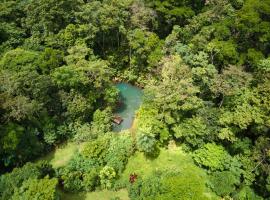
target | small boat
x=118, y=120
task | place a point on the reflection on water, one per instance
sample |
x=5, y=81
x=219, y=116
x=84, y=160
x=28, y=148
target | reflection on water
x=131, y=99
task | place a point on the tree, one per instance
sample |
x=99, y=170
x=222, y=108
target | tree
x=102, y=121
x=12, y=182
x=147, y=144
x=175, y=94
x=46, y=17
x=194, y=131
x=97, y=149
x=37, y=189
x=144, y=49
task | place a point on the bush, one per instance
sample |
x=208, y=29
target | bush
x=90, y=180
x=79, y=174
x=246, y=193
x=37, y=189
x=193, y=131
x=211, y=156
x=147, y=188
x=184, y=185
x=107, y=176
x=148, y=145
x=83, y=133
x=80, y=163
x=121, y=148
x=102, y=121
x=224, y=183
x=96, y=149
x=14, y=180
x=71, y=180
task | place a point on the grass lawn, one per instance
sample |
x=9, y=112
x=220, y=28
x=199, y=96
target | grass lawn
x=168, y=159
x=60, y=156
x=172, y=159
x=99, y=195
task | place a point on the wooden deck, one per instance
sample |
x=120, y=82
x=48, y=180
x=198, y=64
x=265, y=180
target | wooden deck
x=118, y=120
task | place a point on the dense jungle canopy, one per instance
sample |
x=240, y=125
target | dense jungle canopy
x=202, y=130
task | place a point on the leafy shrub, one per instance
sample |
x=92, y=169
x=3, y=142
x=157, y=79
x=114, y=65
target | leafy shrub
x=121, y=148
x=246, y=193
x=37, y=189
x=147, y=188
x=96, y=149
x=71, y=180
x=168, y=185
x=14, y=180
x=224, y=183
x=83, y=133
x=90, y=180
x=80, y=163
x=194, y=131
x=211, y=156
x=183, y=186
x=147, y=144
x=102, y=121
x=107, y=176
x=79, y=174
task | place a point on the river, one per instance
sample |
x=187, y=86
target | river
x=131, y=99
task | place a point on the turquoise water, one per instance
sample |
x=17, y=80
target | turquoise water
x=131, y=98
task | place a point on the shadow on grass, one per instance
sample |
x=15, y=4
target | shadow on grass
x=153, y=155
x=72, y=196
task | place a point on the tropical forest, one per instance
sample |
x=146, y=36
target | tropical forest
x=134, y=99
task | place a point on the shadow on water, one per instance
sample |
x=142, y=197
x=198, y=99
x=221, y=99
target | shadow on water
x=122, y=105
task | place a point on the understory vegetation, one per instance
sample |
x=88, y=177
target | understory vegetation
x=202, y=131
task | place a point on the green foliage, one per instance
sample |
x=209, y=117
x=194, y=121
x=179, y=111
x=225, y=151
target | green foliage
x=175, y=95
x=11, y=183
x=224, y=183
x=96, y=149
x=83, y=133
x=221, y=51
x=193, y=131
x=147, y=144
x=145, y=188
x=182, y=186
x=37, y=189
x=211, y=156
x=80, y=174
x=50, y=59
x=145, y=48
x=100, y=125
x=168, y=185
x=98, y=163
x=246, y=193
x=45, y=17
x=117, y=155
x=107, y=176
x=72, y=180
x=263, y=65
x=90, y=180
x=254, y=57
x=102, y=121
x=149, y=123
x=204, y=67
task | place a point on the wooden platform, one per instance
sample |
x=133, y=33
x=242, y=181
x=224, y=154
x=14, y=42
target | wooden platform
x=118, y=120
